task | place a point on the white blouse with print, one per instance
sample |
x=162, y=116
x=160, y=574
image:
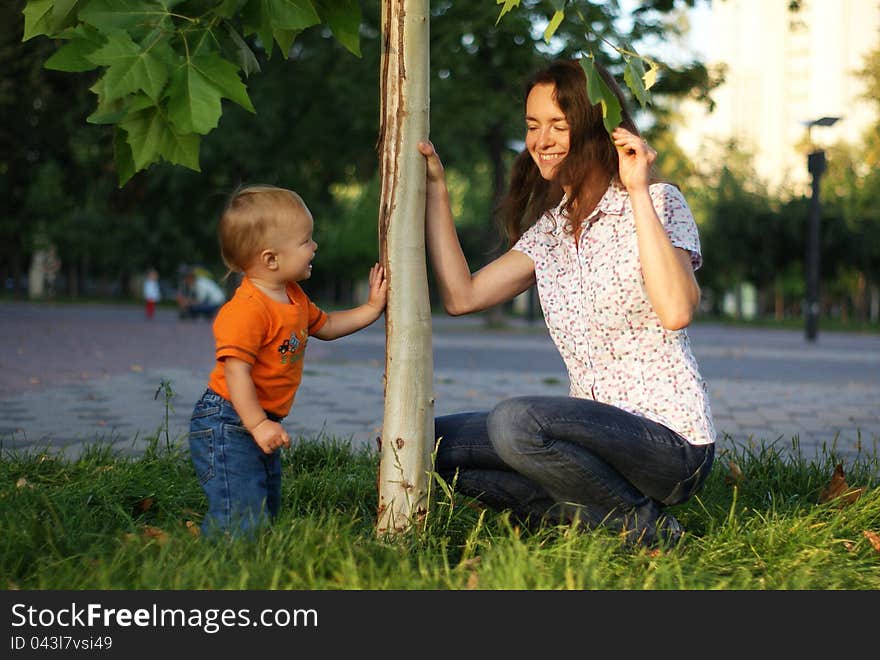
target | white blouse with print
x=599, y=316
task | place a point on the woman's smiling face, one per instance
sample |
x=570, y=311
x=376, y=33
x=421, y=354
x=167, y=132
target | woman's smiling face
x=547, y=130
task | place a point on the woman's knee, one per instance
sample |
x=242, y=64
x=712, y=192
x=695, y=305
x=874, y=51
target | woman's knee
x=515, y=428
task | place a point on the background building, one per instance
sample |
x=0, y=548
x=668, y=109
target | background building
x=784, y=68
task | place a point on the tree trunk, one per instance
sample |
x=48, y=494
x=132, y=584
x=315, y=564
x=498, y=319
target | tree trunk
x=408, y=426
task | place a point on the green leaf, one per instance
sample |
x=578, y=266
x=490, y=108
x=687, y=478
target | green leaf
x=599, y=92
x=133, y=16
x=196, y=90
x=37, y=17
x=143, y=134
x=246, y=58
x=344, y=19
x=63, y=15
x=151, y=136
x=634, y=76
x=555, y=22
x=194, y=103
x=106, y=112
x=182, y=149
x=131, y=68
x=508, y=5
x=269, y=19
x=285, y=39
x=229, y=8
x=74, y=55
x=112, y=112
x=125, y=168
x=292, y=14
x=224, y=76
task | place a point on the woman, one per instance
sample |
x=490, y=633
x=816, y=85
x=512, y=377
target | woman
x=613, y=254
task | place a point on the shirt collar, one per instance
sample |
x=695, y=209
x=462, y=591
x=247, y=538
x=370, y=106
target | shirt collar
x=612, y=202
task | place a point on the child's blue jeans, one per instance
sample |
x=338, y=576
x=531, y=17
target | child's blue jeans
x=241, y=482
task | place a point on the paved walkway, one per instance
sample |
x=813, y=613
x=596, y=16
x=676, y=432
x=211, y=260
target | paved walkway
x=75, y=375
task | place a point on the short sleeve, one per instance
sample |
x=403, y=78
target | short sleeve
x=533, y=243
x=240, y=329
x=317, y=318
x=677, y=219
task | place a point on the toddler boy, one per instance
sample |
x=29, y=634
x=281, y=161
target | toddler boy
x=261, y=335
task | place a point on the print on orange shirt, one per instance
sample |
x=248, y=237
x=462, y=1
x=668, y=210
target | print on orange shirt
x=289, y=348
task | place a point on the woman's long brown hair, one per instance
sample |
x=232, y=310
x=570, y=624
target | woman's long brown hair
x=530, y=195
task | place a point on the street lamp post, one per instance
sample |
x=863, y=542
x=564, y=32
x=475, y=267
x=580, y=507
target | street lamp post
x=816, y=167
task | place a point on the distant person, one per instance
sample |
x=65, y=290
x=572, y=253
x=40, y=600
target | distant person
x=613, y=252
x=199, y=296
x=261, y=336
x=152, y=293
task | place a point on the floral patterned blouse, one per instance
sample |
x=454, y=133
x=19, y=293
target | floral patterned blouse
x=598, y=314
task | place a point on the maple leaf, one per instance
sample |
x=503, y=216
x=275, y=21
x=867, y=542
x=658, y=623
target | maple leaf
x=196, y=89
x=130, y=67
x=838, y=490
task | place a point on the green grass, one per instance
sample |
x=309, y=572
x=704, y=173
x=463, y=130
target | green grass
x=81, y=525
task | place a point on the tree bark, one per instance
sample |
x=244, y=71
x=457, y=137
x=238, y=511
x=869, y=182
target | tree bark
x=408, y=426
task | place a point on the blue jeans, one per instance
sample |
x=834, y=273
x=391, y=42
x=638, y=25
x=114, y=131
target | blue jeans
x=242, y=484
x=573, y=460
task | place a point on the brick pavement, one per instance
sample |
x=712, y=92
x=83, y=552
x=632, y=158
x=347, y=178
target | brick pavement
x=71, y=376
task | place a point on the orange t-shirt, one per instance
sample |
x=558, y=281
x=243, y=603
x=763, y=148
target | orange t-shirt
x=268, y=335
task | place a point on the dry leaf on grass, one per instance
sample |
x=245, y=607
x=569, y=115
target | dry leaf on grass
x=144, y=504
x=873, y=539
x=193, y=529
x=156, y=534
x=473, y=562
x=838, y=490
x=736, y=475
x=23, y=483
x=473, y=581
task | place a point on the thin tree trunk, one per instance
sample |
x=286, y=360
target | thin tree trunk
x=408, y=427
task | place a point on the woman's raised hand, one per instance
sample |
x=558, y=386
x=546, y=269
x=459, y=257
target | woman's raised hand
x=432, y=160
x=635, y=158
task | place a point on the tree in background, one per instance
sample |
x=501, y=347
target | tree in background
x=852, y=188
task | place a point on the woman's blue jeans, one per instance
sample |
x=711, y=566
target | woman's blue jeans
x=572, y=460
x=241, y=482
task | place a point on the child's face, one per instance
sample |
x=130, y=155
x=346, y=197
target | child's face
x=295, y=247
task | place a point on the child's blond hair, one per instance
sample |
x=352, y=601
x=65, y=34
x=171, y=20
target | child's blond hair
x=250, y=216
